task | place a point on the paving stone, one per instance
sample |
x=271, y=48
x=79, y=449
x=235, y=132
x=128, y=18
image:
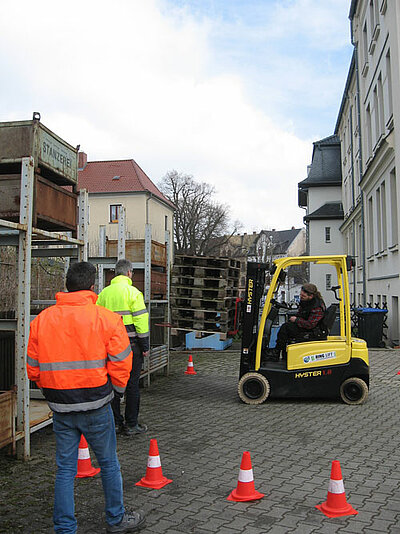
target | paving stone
x=381, y=524
x=292, y=445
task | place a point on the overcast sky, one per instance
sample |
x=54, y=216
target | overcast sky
x=233, y=92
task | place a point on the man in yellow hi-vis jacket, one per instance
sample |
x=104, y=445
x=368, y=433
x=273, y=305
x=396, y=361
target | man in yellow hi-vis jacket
x=126, y=300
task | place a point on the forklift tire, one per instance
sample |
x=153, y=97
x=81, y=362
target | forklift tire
x=354, y=391
x=253, y=388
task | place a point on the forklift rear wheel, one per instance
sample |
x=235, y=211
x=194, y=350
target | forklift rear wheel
x=253, y=388
x=354, y=391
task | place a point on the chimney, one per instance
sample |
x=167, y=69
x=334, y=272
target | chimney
x=82, y=160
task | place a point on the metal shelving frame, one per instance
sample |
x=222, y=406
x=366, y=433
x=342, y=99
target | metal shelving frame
x=33, y=242
x=28, y=241
x=159, y=356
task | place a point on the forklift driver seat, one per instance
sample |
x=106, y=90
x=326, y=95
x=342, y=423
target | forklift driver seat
x=325, y=326
x=328, y=320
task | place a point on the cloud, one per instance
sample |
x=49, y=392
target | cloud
x=128, y=80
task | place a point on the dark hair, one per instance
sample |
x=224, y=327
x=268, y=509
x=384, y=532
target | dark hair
x=311, y=289
x=122, y=267
x=81, y=275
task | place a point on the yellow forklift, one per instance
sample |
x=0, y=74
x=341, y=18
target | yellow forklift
x=330, y=366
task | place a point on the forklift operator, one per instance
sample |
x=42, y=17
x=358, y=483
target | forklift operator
x=310, y=312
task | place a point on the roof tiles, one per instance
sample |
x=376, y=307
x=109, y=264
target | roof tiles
x=118, y=176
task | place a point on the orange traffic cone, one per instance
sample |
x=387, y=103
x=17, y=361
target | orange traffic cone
x=190, y=369
x=154, y=477
x=245, y=487
x=85, y=468
x=336, y=504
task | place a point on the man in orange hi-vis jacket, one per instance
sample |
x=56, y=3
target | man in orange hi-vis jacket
x=80, y=356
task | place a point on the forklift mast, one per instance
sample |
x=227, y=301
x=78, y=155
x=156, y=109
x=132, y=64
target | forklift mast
x=255, y=284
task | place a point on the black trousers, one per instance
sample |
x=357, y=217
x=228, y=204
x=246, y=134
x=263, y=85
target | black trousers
x=132, y=392
x=288, y=331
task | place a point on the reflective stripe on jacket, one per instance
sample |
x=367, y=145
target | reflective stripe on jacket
x=78, y=353
x=126, y=300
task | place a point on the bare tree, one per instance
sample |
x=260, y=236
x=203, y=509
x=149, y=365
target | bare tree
x=199, y=220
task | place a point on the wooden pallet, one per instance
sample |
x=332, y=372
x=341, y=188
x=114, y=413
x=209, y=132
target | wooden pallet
x=205, y=294
x=197, y=324
x=207, y=261
x=205, y=315
x=205, y=272
x=190, y=281
x=204, y=304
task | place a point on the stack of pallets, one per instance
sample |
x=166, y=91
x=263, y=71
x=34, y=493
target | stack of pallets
x=204, y=292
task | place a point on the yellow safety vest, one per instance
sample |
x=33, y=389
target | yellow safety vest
x=126, y=300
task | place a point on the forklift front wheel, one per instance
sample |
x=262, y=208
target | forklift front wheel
x=354, y=391
x=253, y=388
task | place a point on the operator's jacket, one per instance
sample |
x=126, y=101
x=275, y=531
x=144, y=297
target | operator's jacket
x=309, y=315
x=126, y=300
x=78, y=353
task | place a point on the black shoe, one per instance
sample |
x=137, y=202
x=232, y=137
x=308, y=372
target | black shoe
x=139, y=428
x=119, y=429
x=130, y=522
x=275, y=355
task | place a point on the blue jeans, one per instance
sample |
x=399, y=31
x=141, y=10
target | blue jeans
x=98, y=428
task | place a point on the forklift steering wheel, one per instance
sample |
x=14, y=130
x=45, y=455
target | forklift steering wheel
x=279, y=304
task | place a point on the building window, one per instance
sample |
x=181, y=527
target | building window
x=114, y=212
x=371, y=226
x=379, y=219
x=376, y=113
x=393, y=208
x=372, y=16
x=328, y=281
x=381, y=106
x=365, y=43
x=389, y=84
x=384, y=216
x=327, y=234
x=369, y=133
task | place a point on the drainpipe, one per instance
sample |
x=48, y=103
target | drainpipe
x=149, y=197
x=363, y=254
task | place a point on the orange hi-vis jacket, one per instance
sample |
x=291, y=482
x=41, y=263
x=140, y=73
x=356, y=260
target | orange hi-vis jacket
x=78, y=353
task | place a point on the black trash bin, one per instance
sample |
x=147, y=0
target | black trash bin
x=370, y=325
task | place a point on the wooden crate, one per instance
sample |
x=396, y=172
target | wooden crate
x=56, y=159
x=158, y=282
x=54, y=207
x=135, y=251
x=7, y=417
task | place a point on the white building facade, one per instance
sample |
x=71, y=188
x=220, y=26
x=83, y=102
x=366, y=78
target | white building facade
x=320, y=195
x=366, y=125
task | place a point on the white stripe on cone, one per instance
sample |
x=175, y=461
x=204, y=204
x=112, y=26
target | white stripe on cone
x=246, y=475
x=336, y=486
x=83, y=454
x=153, y=461
x=190, y=364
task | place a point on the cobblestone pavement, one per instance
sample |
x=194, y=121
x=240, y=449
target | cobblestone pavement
x=202, y=430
